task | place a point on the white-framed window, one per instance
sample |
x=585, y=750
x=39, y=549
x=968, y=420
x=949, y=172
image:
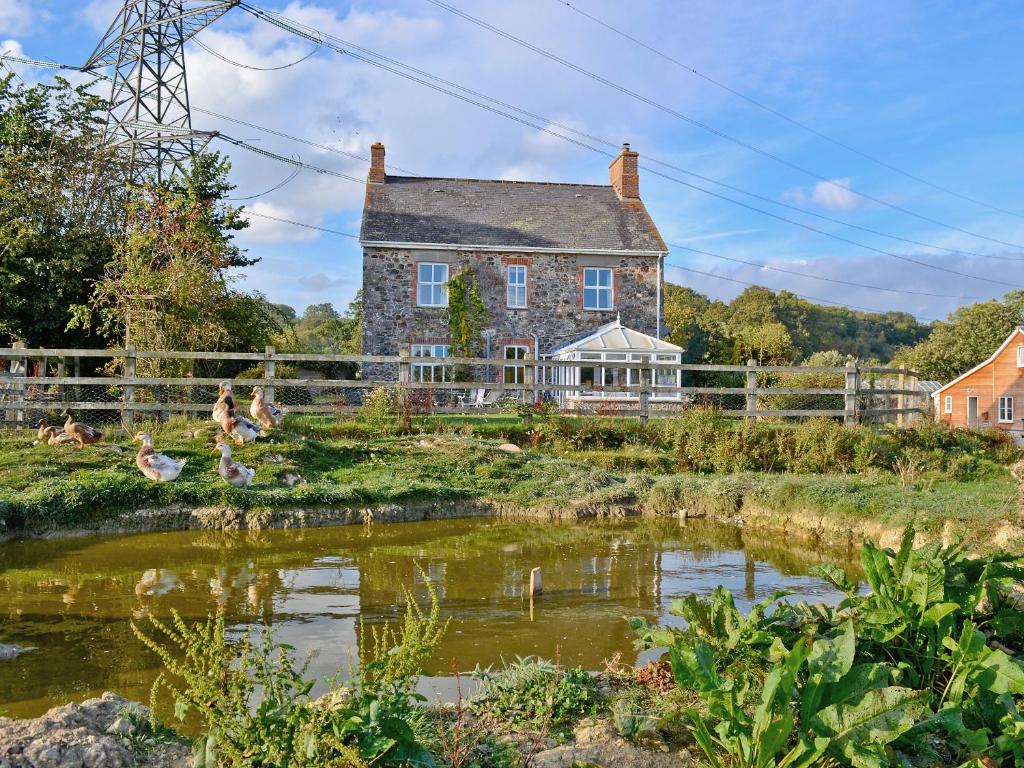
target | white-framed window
x=515, y=373
x=1006, y=410
x=947, y=404
x=516, y=290
x=598, y=292
x=431, y=284
x=1020, y=356
x=430, y=372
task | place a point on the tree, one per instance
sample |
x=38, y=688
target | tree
x=969, y=336
x=62, y=198
x=167, y=284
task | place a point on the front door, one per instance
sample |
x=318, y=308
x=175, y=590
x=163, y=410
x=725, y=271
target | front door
x=972, y=412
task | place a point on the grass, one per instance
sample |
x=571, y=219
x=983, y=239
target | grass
x=338, y=463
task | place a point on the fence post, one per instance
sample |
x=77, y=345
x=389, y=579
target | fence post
x=645, y=394
x=852, y=379
x=751, y=387
x=404, y=366
x=128, y=417
x=269, y=371
x=901, y=400
x=19, y=367
x=60, y=375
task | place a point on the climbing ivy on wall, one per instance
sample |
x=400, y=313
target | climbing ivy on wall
x=467, y=315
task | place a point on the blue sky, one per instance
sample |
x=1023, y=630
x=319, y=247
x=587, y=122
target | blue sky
x=934, y=89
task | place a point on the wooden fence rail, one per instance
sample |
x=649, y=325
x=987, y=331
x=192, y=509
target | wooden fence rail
x=34, y=381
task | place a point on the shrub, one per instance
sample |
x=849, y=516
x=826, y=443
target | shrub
x=533, y=692
x=377, y=411
x=694, y=434
x=823, y=445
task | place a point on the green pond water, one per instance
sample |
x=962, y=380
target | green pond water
x=72, y=599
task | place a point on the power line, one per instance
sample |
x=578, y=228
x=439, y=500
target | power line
x=782, y=115
x=240, y=65
x=823, y=279
x=371, y=56
x=248, y=212
x=704, y=126
x=303, y=165
x=299, y=29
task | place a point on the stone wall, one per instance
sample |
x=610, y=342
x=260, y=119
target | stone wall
x=554, y=313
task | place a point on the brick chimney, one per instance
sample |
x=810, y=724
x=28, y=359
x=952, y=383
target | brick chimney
x=625, y=174
x=376, y=175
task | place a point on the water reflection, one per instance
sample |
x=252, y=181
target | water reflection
x=72, y=598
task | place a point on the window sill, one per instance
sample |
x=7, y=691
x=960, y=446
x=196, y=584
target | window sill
x=595, y=309
x=431, y=306
x=1005, y=421
x=509, y=306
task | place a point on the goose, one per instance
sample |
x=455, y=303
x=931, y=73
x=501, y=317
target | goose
x=156, y=466
x=263, y=411
x=82, y=434
x=225, y=402
x=233, y=473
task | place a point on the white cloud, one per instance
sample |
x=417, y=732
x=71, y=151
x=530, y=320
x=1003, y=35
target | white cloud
x=17, y=17
x=834, y=195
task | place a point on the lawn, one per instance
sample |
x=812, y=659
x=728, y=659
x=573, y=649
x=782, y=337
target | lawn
x=955, y=484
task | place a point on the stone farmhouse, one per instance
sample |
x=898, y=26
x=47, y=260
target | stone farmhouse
x=555, y=263
x=988, y=394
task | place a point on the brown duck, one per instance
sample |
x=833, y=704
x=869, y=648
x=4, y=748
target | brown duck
x=82, y=434
x=52, y=435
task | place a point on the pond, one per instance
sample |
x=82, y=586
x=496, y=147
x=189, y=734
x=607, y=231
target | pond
x=72, y=599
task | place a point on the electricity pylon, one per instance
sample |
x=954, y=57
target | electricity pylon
x=149, y=110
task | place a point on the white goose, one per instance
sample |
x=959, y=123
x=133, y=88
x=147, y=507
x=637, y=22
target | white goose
x=158, y=467
x=233, y=473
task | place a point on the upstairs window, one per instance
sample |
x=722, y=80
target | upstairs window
x=597, y=288
x=430, y=372
x=1006, y=410
x=516, y=291
x=431, y=284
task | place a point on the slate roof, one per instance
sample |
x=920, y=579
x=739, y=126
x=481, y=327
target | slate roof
x=512, y=214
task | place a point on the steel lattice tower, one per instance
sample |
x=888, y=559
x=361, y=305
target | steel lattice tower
x=149, y=110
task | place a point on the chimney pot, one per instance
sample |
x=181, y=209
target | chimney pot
x=376, y=175
x=625, y=174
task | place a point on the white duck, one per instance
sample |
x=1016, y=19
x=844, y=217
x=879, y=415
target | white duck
x=239, y=428
x=233, y=473
x=225, y=402
x=263, y=411
x=156, y=466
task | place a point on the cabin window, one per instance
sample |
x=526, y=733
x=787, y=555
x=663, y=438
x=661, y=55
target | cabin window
x=1006, y=410
x=431, y=284
x=515, y=373
x=430, y=372
x=947, y=405
x=516, y=291
x=597, y=288
x=1020, y=356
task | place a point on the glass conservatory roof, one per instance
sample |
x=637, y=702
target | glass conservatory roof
x=615, y=337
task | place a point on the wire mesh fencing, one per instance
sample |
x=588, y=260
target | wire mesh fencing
x=124, y=386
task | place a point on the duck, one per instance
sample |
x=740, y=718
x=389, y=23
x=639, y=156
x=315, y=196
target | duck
x=82, y=434
x=239, y=428
x=52, y=435
x=233, y=473
x=225, y=402
x=266, y=413
x=156, y=466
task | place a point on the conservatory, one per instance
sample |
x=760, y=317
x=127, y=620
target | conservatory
x=601, y=355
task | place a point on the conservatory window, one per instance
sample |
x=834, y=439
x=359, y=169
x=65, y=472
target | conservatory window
x=430, y=372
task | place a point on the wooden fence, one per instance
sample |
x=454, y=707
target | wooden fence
x=36, y=381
